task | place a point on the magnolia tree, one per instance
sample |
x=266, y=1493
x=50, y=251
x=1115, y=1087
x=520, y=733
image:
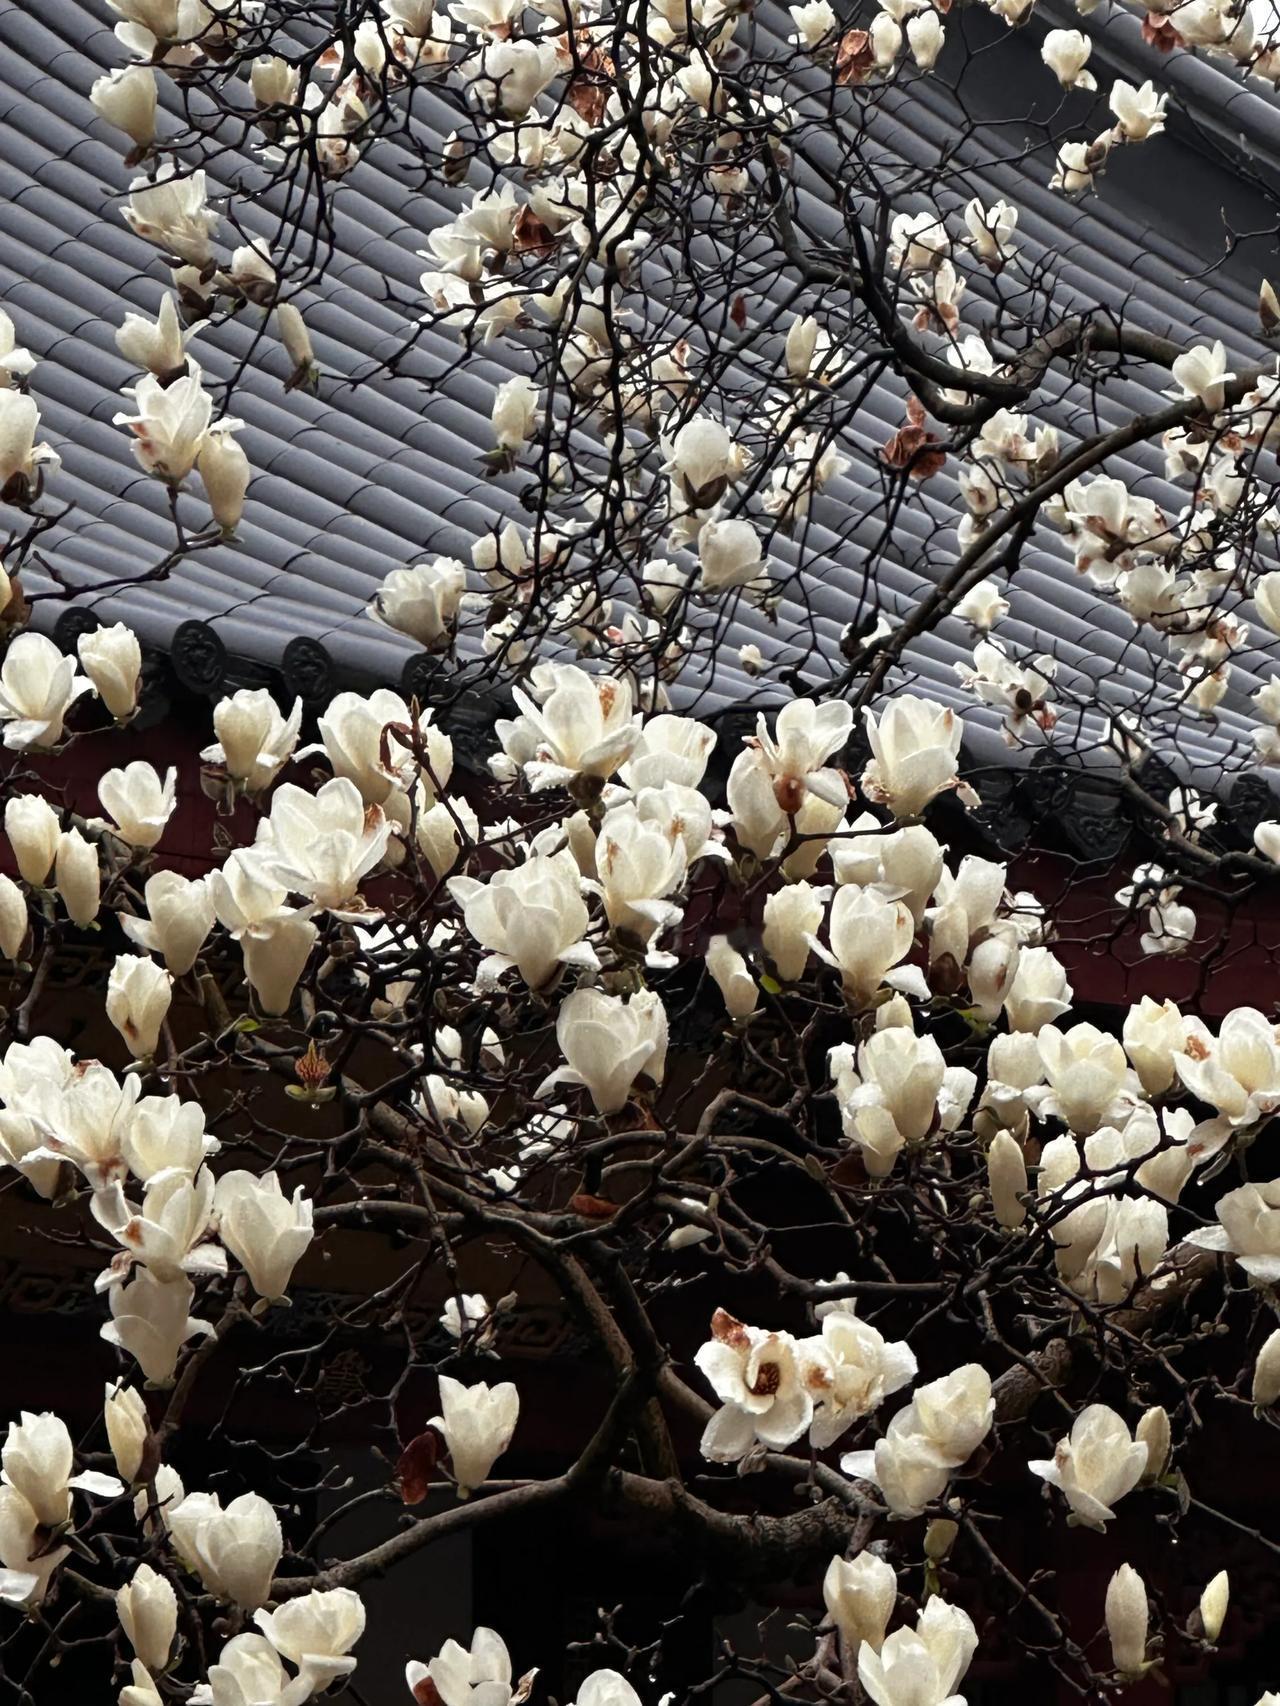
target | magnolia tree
x=891, y=1267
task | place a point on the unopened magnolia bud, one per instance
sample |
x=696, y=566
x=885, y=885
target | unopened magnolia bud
x=1266, y=1373
x=13, y=918
x=127, y=1428
x=224, y=472
x=1007, y=1177
x=112, y=659
x=33, y=829
x=1126, y=1614
x=77, y=877
x=939, y=1538
x=1213, y=1605
x=860, y=1595
x=1153, y=1432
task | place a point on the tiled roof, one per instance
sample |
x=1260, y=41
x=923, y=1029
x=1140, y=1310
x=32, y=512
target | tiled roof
x=353, y=483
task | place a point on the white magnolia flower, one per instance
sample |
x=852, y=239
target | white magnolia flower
x=157, y=345
x=584, y=726
x=171, y=211
x=860, y=1594
x=316, y=1632
x=915, y=748
x=112, y=659
x=128, y=1430
x=1088, y=1075
x=322, y=845
x=640, y=862
x=1066, y=53
x=265, y=1231
x=39, y=1464
x=1139, y=111
x=477, y=1425
x=531, y=917
x=1097, y=1463
x=1237, y=1073
x=33, y=828
x=609, y=1041
x=892, y=1097
x=1202, y=372
x=924, y=1667
x=139, y=993
x=148, y=1611
x=179, y=919
x=21, y=458
x=765, y=1384
x=480, y=1676
x=868, y=936
x=255, y=741
x=38, y=686
x=857, y=1367
x=1248, y=1229
x=234, y=1551
x=1040, y=992
x=935, y=1434
x=140, y=803
x=422, y=600
x=151, y=1319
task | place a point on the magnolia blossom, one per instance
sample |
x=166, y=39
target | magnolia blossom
x=924, y=1667
x=157, y=345
x=21, y=458
x=172, y=423
x=1202, y=372
x=1097, y=1463
x=255, y=740
x=792, y=917
x=531, y=918
x=377, y=743
x=180, y=917
x=112, y=659
x=1139, y=111
x=584, y=726
x=265, y=1231
x=125, y=1415
x=33, y=828
x=1248, y=1229
x=892, y=1097
x=480, y=1676
x=915, y=747
x=126, y=98
x=152, y=1320
x=316, y=1632
x=1087, y=1073
x=766, y=1385
x=140, y=803
x=172, y=212
x=38, y=686
x=860, y=1595
x=234, y=1550
x=422, y=600
x=856, y=1369
x=609, y=1041
x=868, y=937
x=1066, y=52
x=639, y=863
x=477, y=1424
x=935, y=1434
x=322, y=845
x=1237, y=1073
x=1126, y=1615
x=138, y=996
x=39, y=1464
x=148, y=1611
